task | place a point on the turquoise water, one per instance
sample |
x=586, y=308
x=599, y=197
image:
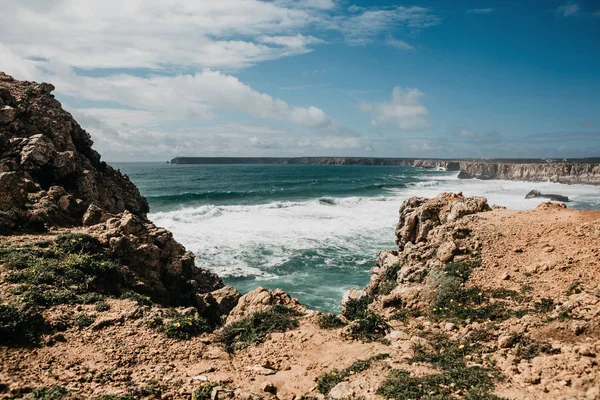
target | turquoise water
x=312, y=230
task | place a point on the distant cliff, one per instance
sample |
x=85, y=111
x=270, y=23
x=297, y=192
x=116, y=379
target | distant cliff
x=584, y=171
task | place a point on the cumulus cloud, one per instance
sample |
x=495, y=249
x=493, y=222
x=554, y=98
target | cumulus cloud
x=404, y=111
x=567, y=10
x=157, y=98
x=399, y=44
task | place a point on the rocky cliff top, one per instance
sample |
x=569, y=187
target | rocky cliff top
x=49, y=173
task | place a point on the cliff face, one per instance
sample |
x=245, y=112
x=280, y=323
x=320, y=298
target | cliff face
x=51, y=180
x=585, y=173
x=49, y=173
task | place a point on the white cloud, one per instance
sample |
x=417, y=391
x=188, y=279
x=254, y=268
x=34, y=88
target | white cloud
x=366, y=24
x=184, y=97
x=337, y=143
x=399, y=44
x=567, y=10
x=404, y=111
x=480, y=11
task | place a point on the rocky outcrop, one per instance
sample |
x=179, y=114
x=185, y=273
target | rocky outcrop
x=49, y=173
x=429, y=234
x=537, y=194
x=50, y=177
x=584, y=173
x=261, y=299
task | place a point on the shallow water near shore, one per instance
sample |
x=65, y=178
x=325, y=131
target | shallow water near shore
x=312, y=230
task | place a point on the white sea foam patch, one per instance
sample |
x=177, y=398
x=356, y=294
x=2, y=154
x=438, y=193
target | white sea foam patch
x=252, y=240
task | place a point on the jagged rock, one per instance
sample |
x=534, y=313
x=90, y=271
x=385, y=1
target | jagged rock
x=537, y=194
x=446, y=251
x=418, y=215
x=550, y=206
x=261, y=299
x=95, y=215
x=49, y=147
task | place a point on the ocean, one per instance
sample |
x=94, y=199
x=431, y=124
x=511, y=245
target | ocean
x=311, y=230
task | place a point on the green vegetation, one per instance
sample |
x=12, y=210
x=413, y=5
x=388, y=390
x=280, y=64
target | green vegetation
x=73, y=269
x=545, y=305
x=575, y=288
x=457, y=380
x=329, y=321
x=405, y=314
x=49, y=393
x=83, y=320
x=20, y=325
x=388, y=280
x=185, y=327
x=102, y=306
x=140, y=299
x=327, y=381
x=456, y=301
x=366, y=324
x=527, y=348
x=256, y=327
x=204, y=391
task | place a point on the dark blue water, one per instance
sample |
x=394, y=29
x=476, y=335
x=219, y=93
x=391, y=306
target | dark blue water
x=312, y=230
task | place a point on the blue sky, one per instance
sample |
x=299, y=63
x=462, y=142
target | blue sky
x=151, y=80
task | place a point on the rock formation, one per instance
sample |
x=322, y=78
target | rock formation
x=537, y=194
x=50, y=177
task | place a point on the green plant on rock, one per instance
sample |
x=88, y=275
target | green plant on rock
x=83, y=320
x=255, y=328
x=329, y=321
x=78, y=243
x=49, y=393
x=575, y=288
x=327, y=381
x=371, y=327
x=456, y=379
x=140, y=299
x=389, y=280
x=185, y=327
x=545, y=305
x=356, y=308
x=405, y=314
x=204, y=392
x=102, y=306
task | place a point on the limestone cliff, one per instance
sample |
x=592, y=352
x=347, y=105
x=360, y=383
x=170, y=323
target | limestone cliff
x=51, y=180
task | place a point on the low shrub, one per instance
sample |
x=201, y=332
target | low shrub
x=356, y=308
x=575, y=288
x=49, y=393
x=327, y=381
x=140, y=299
x=203, y=392
x=405, y=314
x=329, y=321
x=185, y=327
x=83, y=320
x=72, y=243
x=20, y=325
x=369, y=328
x=102, y=306
x=545, y=305
x=254, y=328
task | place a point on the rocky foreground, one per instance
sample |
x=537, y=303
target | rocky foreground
x=476, y=302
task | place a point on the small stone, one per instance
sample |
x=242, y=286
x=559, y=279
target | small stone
x=504, y=276
x=449, y=326
x=548, y=249
x=505, y=341
x=342, y=390
x=593, y=393
x=578, y=327
x=268, y=387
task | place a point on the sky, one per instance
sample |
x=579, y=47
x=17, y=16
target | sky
x=155, y=79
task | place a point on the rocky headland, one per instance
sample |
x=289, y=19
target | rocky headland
x=475, y=302
x=582, y=171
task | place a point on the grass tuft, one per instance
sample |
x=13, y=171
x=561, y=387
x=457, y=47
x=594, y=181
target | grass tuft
x=185, y=327
x=255, y=328
x=329, y=321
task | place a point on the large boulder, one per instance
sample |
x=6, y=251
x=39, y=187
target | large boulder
x=261, y=299
x=418, y=215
